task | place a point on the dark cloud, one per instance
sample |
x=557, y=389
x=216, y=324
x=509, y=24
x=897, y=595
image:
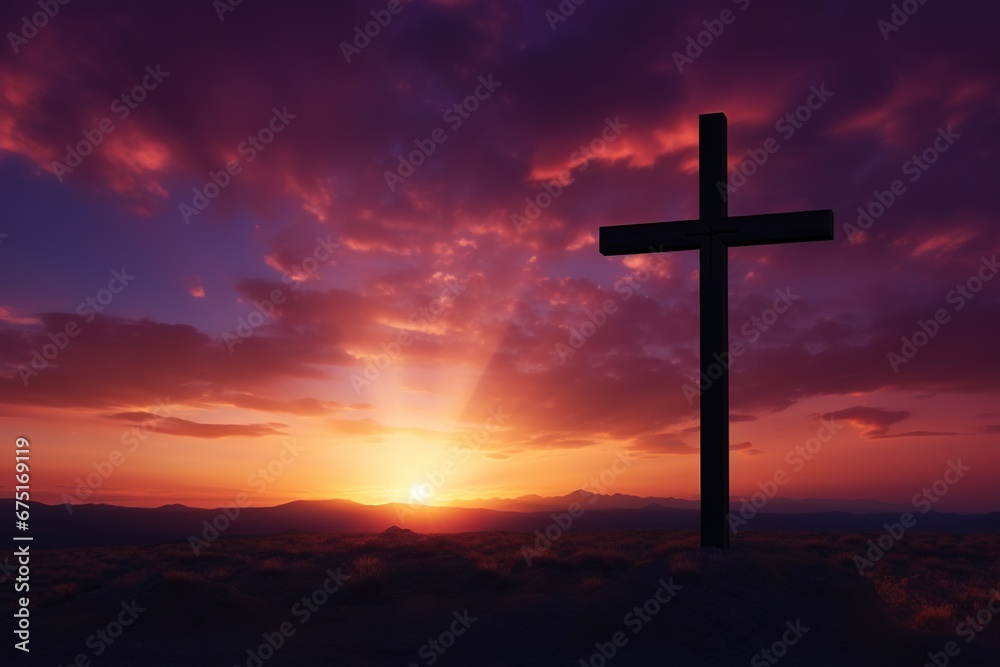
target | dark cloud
x=872, y=421
x=190, y=429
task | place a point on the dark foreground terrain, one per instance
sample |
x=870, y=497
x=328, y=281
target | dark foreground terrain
x=639, y=598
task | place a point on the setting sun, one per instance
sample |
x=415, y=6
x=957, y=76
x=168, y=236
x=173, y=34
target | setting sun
x=421, y=493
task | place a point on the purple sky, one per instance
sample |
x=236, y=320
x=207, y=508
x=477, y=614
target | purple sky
x=481, y=304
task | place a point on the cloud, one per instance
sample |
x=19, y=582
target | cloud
x=8, y=315
x=745, y=448
x=914, y=434
x=117, y=362
x=190, y=429
x=301, y=406
x=873, y=422
x=735, y=417
x=663, y=443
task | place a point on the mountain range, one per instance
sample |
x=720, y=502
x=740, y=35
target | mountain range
x=534, y=503
x=99, y=524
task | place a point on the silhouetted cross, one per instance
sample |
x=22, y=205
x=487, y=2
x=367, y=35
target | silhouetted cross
x=711, y=235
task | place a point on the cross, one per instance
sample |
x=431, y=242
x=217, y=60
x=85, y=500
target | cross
x=712, y=235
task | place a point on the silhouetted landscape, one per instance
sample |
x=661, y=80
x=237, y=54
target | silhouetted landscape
x=396, y=591
x=101, y=525
x=542, y=586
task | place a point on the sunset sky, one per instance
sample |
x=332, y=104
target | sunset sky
x=474, y=297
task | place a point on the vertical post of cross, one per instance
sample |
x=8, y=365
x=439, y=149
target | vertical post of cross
x=712, y=235
x=714, y=316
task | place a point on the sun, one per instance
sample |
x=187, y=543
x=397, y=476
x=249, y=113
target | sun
x=421, y=493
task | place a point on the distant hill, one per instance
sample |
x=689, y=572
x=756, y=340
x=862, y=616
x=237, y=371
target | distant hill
x=98, y=525
x=534, y=503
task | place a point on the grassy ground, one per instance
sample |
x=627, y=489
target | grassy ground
x=559, y=608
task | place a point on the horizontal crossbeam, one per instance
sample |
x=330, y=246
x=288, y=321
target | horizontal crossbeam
x=770, y=228
x=736, y=231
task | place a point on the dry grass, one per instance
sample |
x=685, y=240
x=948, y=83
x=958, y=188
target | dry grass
x=219, y=574
x=891, y=589
x=180, y=576
x=935, y=618
x=685, y=567
x=272, y=567
x=931, y=582
x=65, y=591
x=368, y=573
x=131, y=579
x=494, y=565
x=591, y=583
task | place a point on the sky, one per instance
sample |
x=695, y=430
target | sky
x=254, y=250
